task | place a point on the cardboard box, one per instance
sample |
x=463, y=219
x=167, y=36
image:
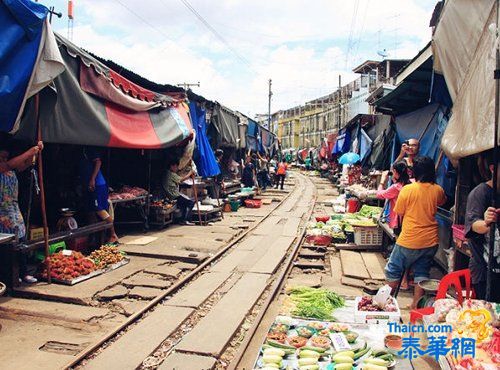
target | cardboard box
x=36, y=233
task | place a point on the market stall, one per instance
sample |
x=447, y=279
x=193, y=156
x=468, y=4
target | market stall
x=318, y=329
x=347, y=230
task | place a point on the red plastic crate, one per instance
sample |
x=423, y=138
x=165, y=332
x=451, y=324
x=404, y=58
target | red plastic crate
x=253, y=203
x=459, y=232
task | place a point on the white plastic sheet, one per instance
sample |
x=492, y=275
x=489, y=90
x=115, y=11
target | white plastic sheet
x=464, y=53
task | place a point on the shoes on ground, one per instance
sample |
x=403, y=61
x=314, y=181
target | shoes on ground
x=30, y=279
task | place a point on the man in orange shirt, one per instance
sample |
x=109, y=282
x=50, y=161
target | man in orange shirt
x=418, y=242
x=281, y=173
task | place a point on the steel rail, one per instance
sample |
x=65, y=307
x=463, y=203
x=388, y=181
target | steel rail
x=278, y=285
x=173, y=289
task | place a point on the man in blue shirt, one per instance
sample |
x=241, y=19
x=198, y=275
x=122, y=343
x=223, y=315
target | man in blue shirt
x=95, y=187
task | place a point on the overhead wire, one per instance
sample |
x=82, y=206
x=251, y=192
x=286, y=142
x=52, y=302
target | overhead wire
x=351, y=31
x=357, y=44
x=216, y=33
x=152, y=26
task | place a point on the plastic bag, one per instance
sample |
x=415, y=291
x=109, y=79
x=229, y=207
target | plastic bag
x=442, y=307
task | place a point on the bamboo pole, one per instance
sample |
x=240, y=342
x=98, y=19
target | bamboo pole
x=42, y=192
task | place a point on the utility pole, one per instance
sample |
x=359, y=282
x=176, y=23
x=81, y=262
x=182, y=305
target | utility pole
x=187, y=86
x=340, y=102
x=269, y=104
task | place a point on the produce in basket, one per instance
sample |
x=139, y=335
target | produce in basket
x=305, y=332
x=351, y=336
x=106, y=255
x=320, y=341
x=297, y=341
x=316, y=325
x=276, y=336
x=279, y=328
x=67, y=268
x=338, y=327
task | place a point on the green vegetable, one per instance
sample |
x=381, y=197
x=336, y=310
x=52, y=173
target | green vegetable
x=315, y=349
x=361, y=353
x=307, y=353
x=370, y=211
x=315, y=303
x=308, y=361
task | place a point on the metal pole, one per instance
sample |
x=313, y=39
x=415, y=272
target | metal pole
x=269, y=104
x=340, y=103
x=195, y=191
x=491, y=249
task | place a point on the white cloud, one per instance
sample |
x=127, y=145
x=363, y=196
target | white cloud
x=300, y=44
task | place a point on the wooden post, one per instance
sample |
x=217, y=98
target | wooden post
x=42, y=192
x=196, y=199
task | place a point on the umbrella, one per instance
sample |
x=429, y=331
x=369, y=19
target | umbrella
x=349, y=158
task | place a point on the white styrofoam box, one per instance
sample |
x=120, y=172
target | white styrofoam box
x=371, y=317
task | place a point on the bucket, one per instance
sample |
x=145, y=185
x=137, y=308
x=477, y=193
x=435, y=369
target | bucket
x=235, y=204
x=227, y=207
x=352, y=205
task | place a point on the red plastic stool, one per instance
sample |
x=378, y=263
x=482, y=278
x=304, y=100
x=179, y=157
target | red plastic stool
x=453, y=279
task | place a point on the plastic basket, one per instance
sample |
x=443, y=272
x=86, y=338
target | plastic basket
x=459, y=232
x=323, y=240
x=367, y=235
x=235, y=204
x=253, y=203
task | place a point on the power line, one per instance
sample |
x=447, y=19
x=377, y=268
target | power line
x=215, y=33
x=351, y=31
x=144, y=20
x=362, y=30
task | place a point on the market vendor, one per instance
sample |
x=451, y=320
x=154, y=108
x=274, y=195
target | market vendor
x=409, y=151
x=170, y=183
x=216, y=190
x=95, y=188
x=248, y=176
x=418, y=242
x=11, y=219
x=479, y=218
x=400, y=178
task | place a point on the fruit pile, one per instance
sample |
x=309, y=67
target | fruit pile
x=68, y=267
x=106, y=255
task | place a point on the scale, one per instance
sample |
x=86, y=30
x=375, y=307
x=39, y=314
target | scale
x=66, y=222
x=430, y=288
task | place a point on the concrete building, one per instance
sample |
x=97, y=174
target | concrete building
x=306, y=125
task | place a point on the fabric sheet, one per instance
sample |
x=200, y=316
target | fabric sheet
x=205, y=159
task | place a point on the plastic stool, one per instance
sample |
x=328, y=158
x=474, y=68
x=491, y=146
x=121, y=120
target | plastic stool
x=453, y=279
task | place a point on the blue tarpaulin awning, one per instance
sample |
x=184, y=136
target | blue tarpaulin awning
x=205, y=159
x=21, y=29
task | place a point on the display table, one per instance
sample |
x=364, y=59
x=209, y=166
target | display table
x=10, y=249
x=230, y=187
x=212, y=215
x=140, y=206
x=161, y=216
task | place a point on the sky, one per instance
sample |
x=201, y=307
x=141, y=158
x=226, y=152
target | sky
x=233, y=47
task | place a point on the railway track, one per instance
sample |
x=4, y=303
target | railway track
x=177, y=340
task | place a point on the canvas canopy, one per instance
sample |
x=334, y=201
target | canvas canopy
x=224, y=128
x=94, y=105
x=427, y=125
x=464, y=52
x=29, y=58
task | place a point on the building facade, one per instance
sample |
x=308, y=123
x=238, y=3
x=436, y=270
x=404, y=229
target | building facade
x=305, y=126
